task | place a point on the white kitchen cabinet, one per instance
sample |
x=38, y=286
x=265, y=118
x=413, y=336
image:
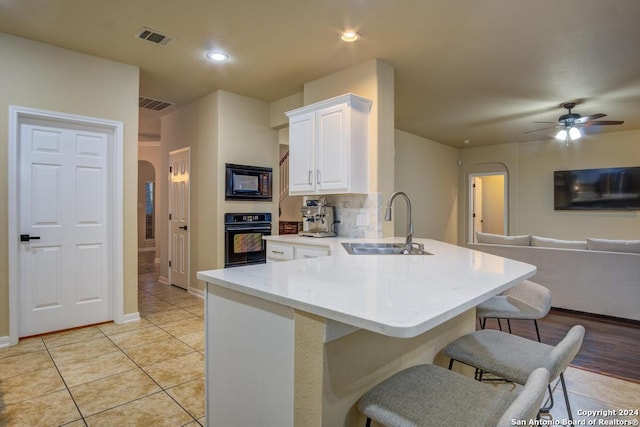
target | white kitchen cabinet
x=288, y=251
x=329, y=146
x=279, y=252
x=308, y=252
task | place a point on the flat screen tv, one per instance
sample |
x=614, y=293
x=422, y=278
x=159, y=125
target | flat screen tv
x=597, y=189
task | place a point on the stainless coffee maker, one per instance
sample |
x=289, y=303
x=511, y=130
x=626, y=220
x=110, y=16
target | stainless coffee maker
x=318, y=219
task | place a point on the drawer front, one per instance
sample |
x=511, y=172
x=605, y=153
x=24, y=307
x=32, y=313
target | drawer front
x=278, y=252
x=310, y=252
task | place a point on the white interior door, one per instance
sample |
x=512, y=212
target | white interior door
x=63, y=221
x=477, y=205
x=179, y=164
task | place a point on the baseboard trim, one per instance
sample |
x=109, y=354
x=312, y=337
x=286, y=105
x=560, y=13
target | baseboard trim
x=5, y=342
x=163, y=280
x=600, y=317
x=131, y=317
x=197, y=292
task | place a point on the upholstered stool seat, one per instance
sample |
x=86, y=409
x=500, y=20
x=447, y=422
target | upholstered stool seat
x=428, y=395
x=513, y=358
x=526, y=300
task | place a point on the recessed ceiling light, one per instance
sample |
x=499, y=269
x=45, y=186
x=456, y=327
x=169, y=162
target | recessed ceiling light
x=349, y=36
x=217, y=56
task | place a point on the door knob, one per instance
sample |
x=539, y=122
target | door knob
x=184, y=227
x=26, y=237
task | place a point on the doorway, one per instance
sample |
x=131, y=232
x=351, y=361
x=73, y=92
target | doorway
x=488, y=203
x=65, y=221
x=146, y=206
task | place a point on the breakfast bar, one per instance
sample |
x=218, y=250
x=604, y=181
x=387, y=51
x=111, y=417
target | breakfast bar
x=297, y=343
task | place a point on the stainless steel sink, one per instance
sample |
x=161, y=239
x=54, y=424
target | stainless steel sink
x=381, y=249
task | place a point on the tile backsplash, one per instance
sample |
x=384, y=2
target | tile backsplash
x=360, y=215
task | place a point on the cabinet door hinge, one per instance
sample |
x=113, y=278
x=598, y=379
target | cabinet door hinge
x=170, y=169
x=169, y=263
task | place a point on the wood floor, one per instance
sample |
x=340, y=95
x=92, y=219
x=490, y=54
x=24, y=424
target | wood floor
x=611, y=346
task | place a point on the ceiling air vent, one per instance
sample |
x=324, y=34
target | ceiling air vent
x=153, y=104
x=154, y=37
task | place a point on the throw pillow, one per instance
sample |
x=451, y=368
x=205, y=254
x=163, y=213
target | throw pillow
x=631, y=246
x=499, y=239
x=546, y=242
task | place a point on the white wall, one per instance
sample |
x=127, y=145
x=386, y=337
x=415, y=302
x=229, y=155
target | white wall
x=428, y=172
x=196, y=126
x=220, y=128
x=42, y=76
x=373, y=80
x=530, y=169
x=244, y=137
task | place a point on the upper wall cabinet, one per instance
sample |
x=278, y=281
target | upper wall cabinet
x=329, y=146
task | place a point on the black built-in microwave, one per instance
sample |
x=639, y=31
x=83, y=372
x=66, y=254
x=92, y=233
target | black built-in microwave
x=248, y=182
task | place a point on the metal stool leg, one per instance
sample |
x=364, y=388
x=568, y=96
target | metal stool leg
x=535, y=322
x=566, y=396
x=546, y=409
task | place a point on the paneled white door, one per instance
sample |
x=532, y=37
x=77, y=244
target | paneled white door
x=179, y=164
x=63, y=222
x=477, y=206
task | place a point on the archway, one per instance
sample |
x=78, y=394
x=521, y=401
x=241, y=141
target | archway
x=487, y=208
x=146, y=206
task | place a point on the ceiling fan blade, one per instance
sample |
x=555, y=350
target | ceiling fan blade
x=604, y=122
x=546, y=122
x=589, y=118
x=538, y=130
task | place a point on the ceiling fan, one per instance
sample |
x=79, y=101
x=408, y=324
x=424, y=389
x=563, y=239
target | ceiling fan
x=570, y=124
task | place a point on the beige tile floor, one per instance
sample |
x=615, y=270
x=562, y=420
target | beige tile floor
x=590, y=391
x=151, y=372
x=144, y=373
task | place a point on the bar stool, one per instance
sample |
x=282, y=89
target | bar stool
x=513, y=358
x=527, y=300
x=428, y=395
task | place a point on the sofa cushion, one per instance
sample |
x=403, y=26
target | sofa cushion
x=499, y=239
x=547, y=242
x=630, y=246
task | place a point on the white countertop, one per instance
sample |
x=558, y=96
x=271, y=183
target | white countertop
x=395, y=295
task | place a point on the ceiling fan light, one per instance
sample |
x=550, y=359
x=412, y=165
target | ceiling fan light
x=574, y=133
x=562, y=134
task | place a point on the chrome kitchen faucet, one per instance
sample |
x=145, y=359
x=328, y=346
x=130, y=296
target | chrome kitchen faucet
x=408, y=244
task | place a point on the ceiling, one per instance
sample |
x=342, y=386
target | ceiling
x=481, y=71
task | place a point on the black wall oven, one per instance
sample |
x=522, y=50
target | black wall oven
x=247, y=183
x=243, y=234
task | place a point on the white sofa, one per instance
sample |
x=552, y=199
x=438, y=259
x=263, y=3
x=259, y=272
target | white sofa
x=592, y=280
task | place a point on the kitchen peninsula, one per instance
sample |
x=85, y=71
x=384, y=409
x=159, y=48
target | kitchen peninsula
x=297, y=343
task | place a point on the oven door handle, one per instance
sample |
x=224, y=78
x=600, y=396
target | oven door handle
x=252, y=228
